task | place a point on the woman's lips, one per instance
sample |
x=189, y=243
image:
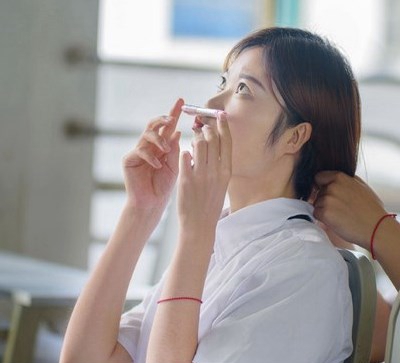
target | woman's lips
x=198, y=123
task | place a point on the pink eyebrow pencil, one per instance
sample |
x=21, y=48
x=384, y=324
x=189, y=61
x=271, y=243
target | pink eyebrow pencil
x=200, y=111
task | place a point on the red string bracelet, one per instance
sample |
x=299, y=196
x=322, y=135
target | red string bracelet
x=179, y=298
x=374, y=232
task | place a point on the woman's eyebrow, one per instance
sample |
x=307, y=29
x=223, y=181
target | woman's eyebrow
x=252, y=79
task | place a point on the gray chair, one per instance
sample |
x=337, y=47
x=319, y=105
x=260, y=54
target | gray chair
x=392, y=354
x=363, y=290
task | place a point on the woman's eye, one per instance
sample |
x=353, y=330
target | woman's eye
x=242, y=88
x=222, y=84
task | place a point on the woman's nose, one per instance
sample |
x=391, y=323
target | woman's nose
x=217, y=102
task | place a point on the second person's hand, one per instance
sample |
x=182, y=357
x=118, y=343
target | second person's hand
x=348, y=206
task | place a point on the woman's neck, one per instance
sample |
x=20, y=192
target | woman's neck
x=245, y=191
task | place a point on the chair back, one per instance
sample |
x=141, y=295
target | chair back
x=392, y=354
x=363, y=291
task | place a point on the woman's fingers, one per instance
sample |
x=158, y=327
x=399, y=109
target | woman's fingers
x=151, y=145
x=199, y=145
x=185, y=162
x=172, y=158
x=159, y=143
x=152, y=134
x=160, y=130
x=154, y=138
x=143, y=153
x=212, y=146
x=213, y=151
x=325, y=178
x=159, y=122
x=225, y=142
x=175, y=113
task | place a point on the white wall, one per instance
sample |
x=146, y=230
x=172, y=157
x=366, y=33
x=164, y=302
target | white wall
x=46, y=180
x=14, y=81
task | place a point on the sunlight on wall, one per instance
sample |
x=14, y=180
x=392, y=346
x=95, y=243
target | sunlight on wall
x=141, y=31
x=382, y=155
x=357, y=27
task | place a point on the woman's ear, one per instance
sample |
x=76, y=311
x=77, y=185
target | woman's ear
x=297, y=136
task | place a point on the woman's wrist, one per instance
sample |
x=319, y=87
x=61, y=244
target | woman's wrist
x=197, y=224
x=365, y=230
x=196, y=234
x=194, y=249
x=387, y=234
x=188, y=269
x=143, y=213
x=137, y=224
x=387, y=249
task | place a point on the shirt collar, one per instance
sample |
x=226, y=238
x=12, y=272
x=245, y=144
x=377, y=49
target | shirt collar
x=236, y=230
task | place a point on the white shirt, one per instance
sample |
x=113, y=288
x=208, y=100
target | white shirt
x=276, y=291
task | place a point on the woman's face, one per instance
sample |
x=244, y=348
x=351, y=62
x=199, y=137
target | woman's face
x=252, y=112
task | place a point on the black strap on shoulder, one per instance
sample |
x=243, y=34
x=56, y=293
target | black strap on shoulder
x=301, y=216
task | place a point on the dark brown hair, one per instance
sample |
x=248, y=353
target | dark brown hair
x=317, y=85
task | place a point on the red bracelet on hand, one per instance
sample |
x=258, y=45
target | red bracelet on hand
x=374, y=232
x=179, y=298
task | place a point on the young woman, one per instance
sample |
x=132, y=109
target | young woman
x=259, y=282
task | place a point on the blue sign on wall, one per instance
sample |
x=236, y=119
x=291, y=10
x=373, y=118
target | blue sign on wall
x=213, y=18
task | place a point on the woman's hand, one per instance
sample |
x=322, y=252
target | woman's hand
x=204, y=177
x=203, y=181
x=150, y=173
x=151, y=168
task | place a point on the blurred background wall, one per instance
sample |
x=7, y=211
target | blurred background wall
x=45, y=183
x=80, y=79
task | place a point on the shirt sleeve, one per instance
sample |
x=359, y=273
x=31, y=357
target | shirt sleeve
x=130, y=328
x=292, y=312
